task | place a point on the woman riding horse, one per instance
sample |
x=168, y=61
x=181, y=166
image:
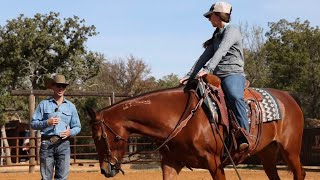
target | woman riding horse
x=195, y=143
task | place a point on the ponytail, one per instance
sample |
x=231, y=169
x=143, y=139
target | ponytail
x=210, y=41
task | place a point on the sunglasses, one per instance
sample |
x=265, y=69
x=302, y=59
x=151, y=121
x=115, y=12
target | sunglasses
x=61, y=86
x=56, y=110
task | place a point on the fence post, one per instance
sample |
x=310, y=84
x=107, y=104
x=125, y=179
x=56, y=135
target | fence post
x=75, y=149
x=32, y=102
x=113, y=98
x=17, y=150
x=109, y=100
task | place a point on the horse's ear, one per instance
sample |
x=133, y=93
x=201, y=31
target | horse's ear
x=91, y=112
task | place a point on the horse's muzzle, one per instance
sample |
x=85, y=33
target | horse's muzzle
x=109, y=171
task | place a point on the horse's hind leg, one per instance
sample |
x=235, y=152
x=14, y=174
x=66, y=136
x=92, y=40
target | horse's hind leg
x=291, y=154
x=268, y=158
x=290, y=146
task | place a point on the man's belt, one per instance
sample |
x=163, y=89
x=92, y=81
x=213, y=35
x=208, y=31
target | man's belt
x=53, y=139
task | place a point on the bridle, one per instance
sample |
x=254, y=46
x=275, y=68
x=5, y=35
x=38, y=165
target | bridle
x=109, y=158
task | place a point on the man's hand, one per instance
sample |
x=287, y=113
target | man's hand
x=65, y=133
x=53, y=121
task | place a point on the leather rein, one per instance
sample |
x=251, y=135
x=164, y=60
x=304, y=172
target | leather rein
x=113, y=161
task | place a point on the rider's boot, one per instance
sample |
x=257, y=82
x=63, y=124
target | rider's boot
x=243, y=143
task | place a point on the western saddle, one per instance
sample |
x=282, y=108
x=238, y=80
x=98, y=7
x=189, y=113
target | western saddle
x=234, y=131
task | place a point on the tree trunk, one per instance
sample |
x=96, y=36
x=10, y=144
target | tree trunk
x=6, y=144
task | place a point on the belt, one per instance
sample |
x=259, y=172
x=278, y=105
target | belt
x=53, y=139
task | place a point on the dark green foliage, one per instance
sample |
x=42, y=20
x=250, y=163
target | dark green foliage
x=169, y=81
x=289, y=60
x=33, y=48
x=293, y=58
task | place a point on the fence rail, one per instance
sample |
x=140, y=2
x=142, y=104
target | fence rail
x=78, y=151
x=310, y=151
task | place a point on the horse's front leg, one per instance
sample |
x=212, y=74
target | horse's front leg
x=170, y=170
x=214, y=158
x=215, y=168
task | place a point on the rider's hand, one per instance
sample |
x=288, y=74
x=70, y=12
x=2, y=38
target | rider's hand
x=184, y=80
x=202, y=73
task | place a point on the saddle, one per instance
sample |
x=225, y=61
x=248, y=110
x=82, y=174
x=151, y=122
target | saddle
x=227, y=118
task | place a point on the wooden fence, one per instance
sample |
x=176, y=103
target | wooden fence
x=79, y=151
x=310, y=151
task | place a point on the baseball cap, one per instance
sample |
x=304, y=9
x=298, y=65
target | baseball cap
x=221, y=6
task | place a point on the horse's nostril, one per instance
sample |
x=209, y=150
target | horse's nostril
x=103, y=171
x=108, y=173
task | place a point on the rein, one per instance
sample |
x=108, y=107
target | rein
x=207, y=92
x=180, y=125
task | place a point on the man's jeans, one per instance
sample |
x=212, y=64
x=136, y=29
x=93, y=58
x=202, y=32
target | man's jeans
x=54, y=155
x=233, y=87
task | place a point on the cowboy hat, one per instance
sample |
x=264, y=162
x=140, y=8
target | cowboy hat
x=56, y=79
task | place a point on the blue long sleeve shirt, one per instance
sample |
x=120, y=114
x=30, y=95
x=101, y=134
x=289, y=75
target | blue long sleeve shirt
x=224, y=56
x=67, y=113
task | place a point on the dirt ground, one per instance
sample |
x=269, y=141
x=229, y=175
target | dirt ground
x=88, y=173
x=156, y=175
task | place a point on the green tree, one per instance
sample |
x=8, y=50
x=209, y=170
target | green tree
x=168, y=81
x=32, y=48
x=293, y=56
x=129, y=76
x=256, y=68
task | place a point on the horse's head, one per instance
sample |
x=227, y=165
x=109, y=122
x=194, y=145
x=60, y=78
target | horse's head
x=109, y=141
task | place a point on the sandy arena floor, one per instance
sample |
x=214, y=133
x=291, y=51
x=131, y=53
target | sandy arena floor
x=88, y=173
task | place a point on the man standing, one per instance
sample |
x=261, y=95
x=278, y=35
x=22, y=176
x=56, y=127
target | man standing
x=58, y=119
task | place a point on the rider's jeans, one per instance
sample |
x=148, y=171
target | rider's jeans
x=233, y=87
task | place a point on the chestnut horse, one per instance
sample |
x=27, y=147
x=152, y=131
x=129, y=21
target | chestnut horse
x=198, y=144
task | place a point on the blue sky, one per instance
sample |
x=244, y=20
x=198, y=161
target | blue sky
x=166, y=34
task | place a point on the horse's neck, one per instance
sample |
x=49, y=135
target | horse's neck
x=155, y=115
x=147, y=130
x=148, y=125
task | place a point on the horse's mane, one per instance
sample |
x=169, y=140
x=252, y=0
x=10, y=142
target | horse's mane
x=180, y=87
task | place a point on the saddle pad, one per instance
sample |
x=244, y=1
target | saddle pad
x=269, y=106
